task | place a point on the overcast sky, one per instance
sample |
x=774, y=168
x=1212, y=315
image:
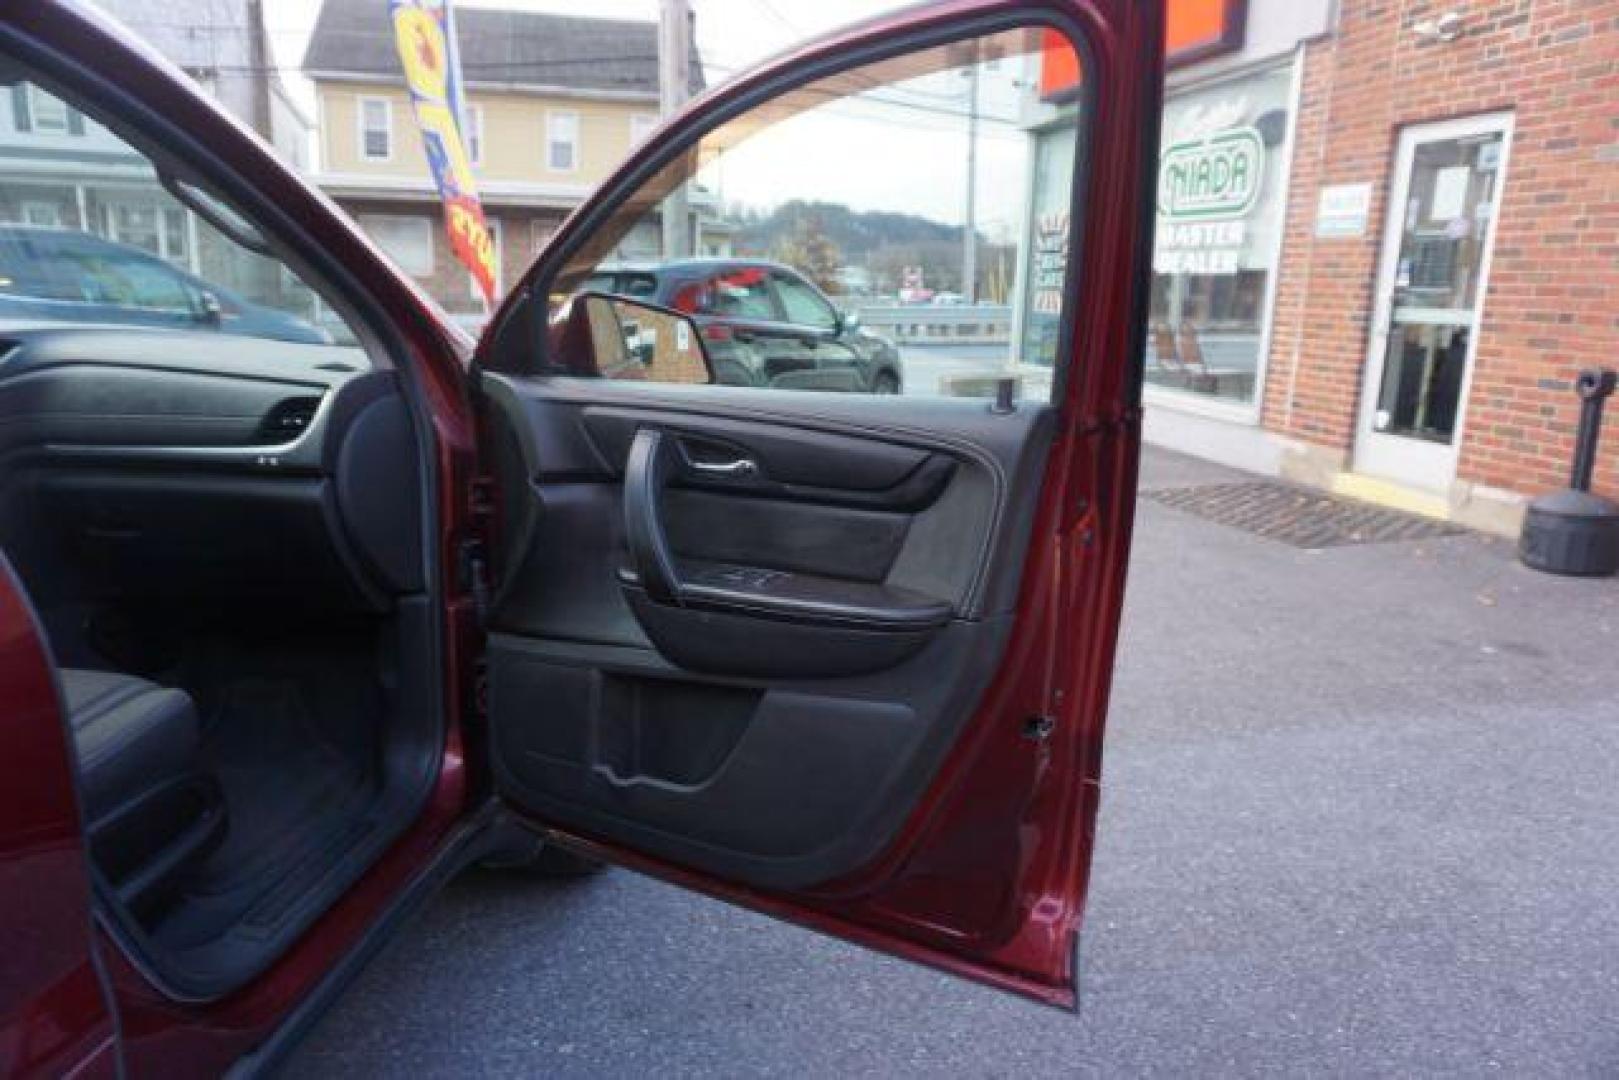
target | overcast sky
x=731, y=34
x=906, y=160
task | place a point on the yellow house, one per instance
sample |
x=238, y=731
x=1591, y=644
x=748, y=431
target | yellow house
x=554, y=102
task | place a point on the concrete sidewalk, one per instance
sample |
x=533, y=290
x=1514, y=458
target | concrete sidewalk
x=1361, y=815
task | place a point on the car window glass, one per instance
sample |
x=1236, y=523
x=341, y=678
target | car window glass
x=25, y=271
x=802, y=306
x=132, y=283
x=623, y=283
x=90, y=235
x=741, y=294
x=637, y=285
x=920, y=205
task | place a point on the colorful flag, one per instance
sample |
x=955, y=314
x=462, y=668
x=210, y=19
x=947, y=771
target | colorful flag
x=424, y=31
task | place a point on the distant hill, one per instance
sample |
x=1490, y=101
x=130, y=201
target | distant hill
x=881, y=241
x=856, y=233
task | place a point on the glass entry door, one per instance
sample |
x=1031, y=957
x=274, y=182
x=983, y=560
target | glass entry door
x=1441, y=218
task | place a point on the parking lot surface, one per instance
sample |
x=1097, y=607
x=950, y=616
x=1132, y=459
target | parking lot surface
x=1359, y=818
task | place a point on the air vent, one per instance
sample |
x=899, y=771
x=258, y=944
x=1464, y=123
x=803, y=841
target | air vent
x=289, y=419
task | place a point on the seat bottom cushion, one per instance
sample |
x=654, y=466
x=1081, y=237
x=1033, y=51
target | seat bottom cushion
x=152, y=812
x=132, y=736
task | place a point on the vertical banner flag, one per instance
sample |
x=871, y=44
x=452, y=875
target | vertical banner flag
x=424, y=31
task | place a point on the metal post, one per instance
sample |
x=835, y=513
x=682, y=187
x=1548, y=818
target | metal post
x=674, y=87
x=969, y=231
x=1593, y=385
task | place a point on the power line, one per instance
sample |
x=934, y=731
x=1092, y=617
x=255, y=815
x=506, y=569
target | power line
x=855, y=99
x=770, y=9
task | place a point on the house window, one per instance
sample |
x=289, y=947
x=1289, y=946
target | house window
x=161, y=230
x=641, y=125
x=540, y=231
x=46, y=214
x=42, y=112
x=376, y=129
x=562, y=141
x=49, y=114
x=407, y=239
x=474, y=134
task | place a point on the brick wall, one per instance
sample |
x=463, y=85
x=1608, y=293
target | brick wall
x=522, y=231
x=1552, y=305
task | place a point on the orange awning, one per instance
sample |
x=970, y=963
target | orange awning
x=1193, y=30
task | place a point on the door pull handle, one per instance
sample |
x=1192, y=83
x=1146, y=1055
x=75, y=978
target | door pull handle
x=739, y=469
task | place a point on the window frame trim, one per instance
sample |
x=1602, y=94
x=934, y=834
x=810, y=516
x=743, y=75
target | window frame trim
x=575, y=144
x=362, y=128
x=432, y=244
x=31, y=97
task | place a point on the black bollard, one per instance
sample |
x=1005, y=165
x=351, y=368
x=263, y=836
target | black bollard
x=1573, y=531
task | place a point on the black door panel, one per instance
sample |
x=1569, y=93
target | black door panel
x=816, y=628
x=784, y=462
x=811, y=538
x=782, y=784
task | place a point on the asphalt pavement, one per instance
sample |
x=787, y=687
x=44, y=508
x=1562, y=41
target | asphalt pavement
x=1360, y=816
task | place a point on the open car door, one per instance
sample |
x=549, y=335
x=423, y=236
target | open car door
x=54, y=1016
x=842, y=657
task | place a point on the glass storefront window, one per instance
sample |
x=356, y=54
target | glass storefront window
x=1220, y=188
x=1046, y=247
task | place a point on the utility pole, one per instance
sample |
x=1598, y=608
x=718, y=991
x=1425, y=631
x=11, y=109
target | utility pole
x=674, y=87
x=969, y=232
x=260, y=73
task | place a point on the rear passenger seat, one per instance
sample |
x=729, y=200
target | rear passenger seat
x=153, y=811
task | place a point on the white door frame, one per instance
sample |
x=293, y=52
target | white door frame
x=1399, y=458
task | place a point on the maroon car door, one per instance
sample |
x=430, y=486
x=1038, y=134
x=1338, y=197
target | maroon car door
x=54, y=1017
x=843, y=658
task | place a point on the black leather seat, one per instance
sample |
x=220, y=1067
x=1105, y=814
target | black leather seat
x=152, y=809
x=131, y=735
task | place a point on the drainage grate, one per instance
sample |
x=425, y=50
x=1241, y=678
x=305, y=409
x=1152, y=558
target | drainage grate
x=1305, y=519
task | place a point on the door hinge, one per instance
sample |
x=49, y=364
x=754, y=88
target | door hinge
x=1107, y=423
x=481, y=506
x=481, y=500
x=474, y=572
x=480, y=686
x=1039, y=727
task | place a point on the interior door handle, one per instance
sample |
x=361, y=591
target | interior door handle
x=739, y=469
x=645, y=475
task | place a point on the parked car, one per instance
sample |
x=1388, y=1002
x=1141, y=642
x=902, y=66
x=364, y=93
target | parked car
x=292, y=634
x=61, y=275
x=765, y=324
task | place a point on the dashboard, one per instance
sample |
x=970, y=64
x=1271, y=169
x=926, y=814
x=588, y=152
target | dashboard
x=199, y=465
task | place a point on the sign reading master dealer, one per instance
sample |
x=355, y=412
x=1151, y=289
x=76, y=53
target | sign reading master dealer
x=1205, y=188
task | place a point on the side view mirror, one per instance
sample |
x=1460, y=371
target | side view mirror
x=849, y=321
x=209, y=309
x=630, y=339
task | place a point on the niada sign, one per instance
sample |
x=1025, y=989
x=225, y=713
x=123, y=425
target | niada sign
x=1213, y=178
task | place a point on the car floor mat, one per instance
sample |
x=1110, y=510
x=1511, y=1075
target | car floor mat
x=293, y=799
